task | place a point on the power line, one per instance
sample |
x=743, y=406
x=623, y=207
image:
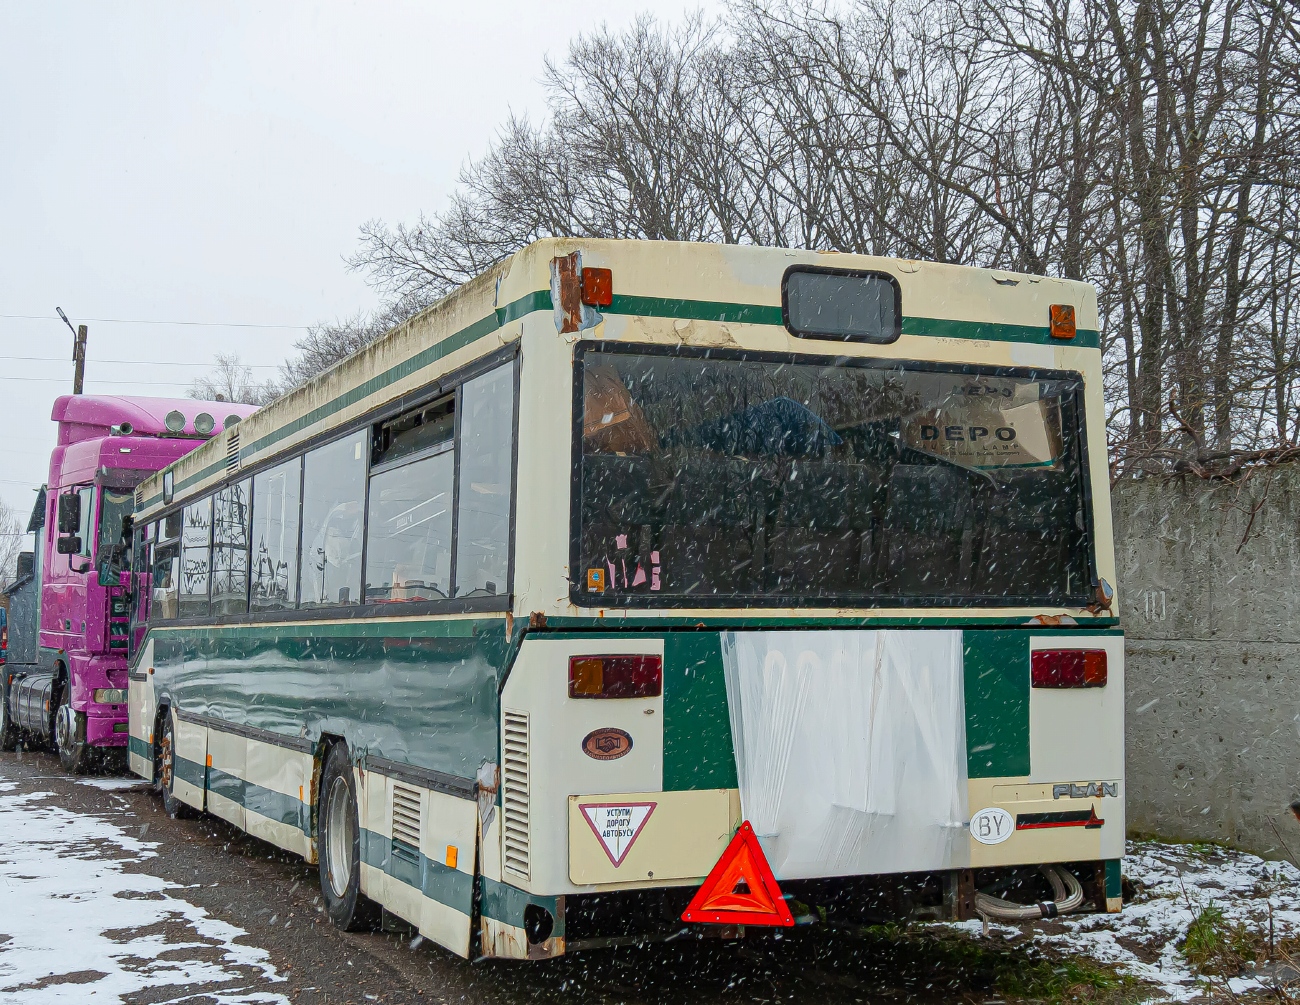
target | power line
x=96, y=380
x=144, y=321
x=139, y=362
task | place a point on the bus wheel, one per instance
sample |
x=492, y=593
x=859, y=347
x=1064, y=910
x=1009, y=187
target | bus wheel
x=339, y=845
x=70, y=734
x=8, y=731
x=164, y=771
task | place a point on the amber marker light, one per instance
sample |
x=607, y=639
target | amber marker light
x=597, y=287
x=1062, y=316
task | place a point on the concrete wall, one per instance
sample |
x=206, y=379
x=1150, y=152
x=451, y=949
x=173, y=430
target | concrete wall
x=1213, y=657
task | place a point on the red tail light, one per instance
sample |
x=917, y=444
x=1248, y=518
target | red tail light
x=4, y=637
x=1068, y=668
x=616, y=676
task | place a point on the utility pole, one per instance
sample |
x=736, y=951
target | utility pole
x=78, y=352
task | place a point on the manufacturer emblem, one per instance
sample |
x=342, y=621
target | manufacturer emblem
x=991, y=825
x=1090, y=790
x=606, y=743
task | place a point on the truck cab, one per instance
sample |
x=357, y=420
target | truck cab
x=74, y=696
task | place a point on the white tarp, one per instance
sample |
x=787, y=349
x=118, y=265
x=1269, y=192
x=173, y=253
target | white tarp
x=850, y=748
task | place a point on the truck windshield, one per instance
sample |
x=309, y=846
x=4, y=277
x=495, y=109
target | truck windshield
x=114, y=505
x=716, y=478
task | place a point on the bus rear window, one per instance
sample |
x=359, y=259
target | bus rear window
x=716, y=481
x=841, y=305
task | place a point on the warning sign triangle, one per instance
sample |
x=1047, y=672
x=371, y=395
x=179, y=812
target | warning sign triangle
x=740, y=889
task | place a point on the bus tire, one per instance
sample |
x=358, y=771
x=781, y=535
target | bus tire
x=70, y=734
x=339, y=845
x=164, y=770
x=8, y=730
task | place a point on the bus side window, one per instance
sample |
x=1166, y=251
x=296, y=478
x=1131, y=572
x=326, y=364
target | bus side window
x=165, y=602
x=275, y=537
x=230, y=527
x=196, y=559
x=141, y=571
x=334, y=485
x=487, y=452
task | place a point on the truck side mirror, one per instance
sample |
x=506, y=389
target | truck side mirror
x=69, y=516
x=68, y=545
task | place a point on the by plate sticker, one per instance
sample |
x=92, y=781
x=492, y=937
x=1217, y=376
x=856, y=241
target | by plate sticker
x=992, y=825
x=616, y=825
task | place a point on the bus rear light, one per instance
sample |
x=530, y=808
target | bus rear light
x=616, y=676
x=1068, y=668
x=597, y=287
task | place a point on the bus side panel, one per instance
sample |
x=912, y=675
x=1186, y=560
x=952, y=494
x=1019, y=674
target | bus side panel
x=190, y=771
x=142, y=714
x=277, y=796
x=420, y=692
x=227, y=760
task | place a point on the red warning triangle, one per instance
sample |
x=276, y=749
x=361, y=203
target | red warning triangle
x=740, y=889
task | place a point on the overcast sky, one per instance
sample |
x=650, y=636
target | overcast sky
x=211, y=163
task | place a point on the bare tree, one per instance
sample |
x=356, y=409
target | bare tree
x=14, y=539
x=1148, y=147
x=231, y=379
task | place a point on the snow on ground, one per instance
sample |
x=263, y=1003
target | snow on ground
x=77, y=927
x=1175, y=883
x=110, y=784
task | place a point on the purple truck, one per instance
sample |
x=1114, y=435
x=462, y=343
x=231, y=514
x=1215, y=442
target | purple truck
x=72, y=693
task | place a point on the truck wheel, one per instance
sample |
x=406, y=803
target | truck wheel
x=8, y=730
x=164, y=771
x=339, y=845
x=70, y=734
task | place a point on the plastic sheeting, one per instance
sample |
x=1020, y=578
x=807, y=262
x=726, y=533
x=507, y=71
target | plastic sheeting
x=850, y=748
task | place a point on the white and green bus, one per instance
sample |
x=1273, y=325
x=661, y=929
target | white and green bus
x=520, y=619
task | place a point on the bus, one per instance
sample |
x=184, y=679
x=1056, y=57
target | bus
x=642, y=589
x=66, y=685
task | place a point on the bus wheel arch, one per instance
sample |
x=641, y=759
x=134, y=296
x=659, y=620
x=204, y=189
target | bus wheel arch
x=164, y=770
x=338, y=840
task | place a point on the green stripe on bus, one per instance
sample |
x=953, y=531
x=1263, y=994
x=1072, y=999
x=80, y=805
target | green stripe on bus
x=505, y=903
x=539, y=300
x=139, y=747
x=624, y=304
x=189, y=771
x=407, y=864
x=1086, y=338
x=695, y=310
x=1114, y=879
x=698, y=749
x=618, y=622
x=997, y=703
x=359, y=628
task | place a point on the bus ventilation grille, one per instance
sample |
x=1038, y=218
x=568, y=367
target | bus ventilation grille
x=139, y=496
x=406, y=815
x=514, y=792
x=232, y=450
